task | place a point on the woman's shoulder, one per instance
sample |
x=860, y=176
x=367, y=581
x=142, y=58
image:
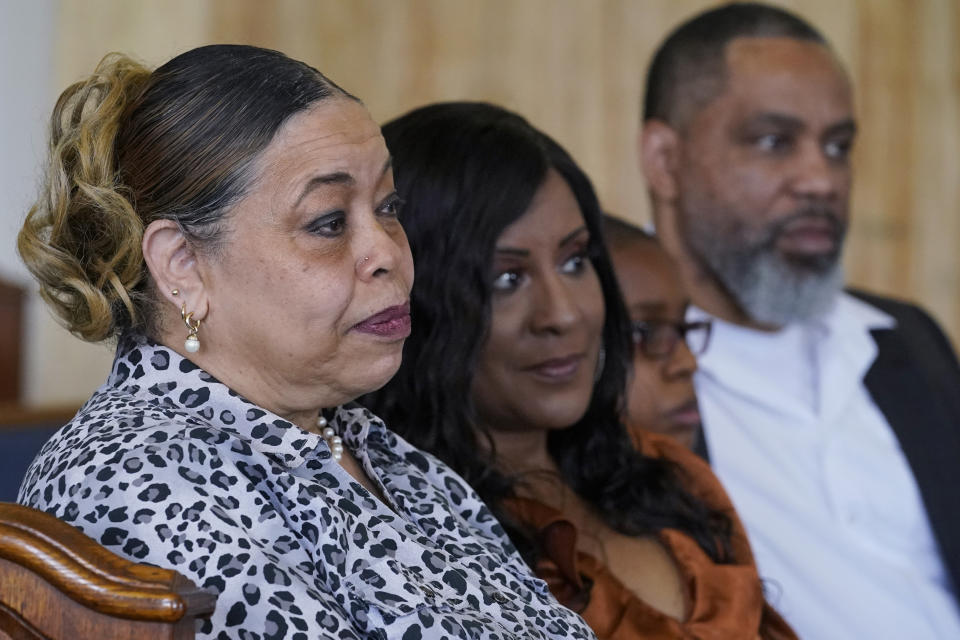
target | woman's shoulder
x=115, y=434
x=695, y=472
x=117, y=416
x=657, y=445
x=700, y=480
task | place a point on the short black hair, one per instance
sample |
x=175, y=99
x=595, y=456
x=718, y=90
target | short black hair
x=688, y=69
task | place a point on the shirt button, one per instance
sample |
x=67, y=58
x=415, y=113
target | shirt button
x=499, y=598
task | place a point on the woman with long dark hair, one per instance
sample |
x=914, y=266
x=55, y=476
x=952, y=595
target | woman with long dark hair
x=514, y=375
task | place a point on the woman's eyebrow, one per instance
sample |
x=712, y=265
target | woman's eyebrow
x=570, y=237
x=567, y=239
x=337, y=177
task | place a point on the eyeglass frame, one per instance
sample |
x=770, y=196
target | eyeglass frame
x=679, y=332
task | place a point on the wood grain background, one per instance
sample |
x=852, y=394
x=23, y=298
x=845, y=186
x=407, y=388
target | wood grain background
x=574, y=68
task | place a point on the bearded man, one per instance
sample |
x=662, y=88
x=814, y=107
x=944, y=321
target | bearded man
x=832, y=417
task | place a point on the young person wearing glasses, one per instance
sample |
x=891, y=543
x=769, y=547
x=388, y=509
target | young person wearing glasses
x=661, y=397
x=515, y=374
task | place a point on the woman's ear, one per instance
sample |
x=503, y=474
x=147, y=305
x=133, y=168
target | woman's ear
x=173, y=265
x=659, y=147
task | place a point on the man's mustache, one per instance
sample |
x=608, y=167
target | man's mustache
x=837, y=228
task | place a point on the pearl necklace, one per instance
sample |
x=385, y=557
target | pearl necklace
x=333, y=440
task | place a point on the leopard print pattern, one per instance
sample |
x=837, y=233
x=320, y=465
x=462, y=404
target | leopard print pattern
x=166, y=465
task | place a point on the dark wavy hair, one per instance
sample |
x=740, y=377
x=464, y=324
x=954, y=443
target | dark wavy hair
x=467, y=171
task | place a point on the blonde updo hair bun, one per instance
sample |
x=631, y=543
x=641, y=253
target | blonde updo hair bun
x=128, y=147
x=81, y=240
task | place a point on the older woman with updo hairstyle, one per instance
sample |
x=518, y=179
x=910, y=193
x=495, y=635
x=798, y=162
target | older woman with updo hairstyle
x=231, y=219
x=515, y=374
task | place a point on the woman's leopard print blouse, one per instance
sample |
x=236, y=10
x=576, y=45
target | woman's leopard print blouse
x=166, y=465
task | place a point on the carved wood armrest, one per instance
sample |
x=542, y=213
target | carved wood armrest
x=35, y=545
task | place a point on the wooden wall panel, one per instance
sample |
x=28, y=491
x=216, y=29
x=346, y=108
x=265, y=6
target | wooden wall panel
x=11, y=341
x=574, y=69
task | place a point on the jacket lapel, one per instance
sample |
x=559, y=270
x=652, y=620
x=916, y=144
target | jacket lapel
x=918, y=392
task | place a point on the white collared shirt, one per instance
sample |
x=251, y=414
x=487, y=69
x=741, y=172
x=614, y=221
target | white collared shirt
x=834, y=514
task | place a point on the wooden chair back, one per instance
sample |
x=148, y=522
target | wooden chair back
x=58, y=584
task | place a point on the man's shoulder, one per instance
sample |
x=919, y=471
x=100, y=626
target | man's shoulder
x=909, y=316
x=916, y=328
x=899, y=309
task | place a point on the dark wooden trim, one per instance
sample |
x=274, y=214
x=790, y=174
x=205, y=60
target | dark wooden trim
x=93, y=576
x=15, y=415
x=12, y=300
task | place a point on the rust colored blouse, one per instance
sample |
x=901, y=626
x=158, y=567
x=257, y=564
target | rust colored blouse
x=722, y=601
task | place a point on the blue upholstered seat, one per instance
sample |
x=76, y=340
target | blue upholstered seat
x=18, y=447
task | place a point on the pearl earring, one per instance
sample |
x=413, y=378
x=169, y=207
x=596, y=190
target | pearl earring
x=192, y=343
x=333, y=440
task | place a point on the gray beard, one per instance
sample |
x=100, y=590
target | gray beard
x=773, y=292
x=770, y=288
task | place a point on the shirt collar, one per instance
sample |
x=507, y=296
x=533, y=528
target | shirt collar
x=165, y=379
x=848, y=315
x=830, y=354
x=856, y=315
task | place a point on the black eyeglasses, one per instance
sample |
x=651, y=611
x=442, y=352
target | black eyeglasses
x=657, y=339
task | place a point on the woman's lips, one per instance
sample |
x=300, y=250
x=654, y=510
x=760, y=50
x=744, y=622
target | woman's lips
x=687, y=414
x=557, y=369
x=392, y=322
